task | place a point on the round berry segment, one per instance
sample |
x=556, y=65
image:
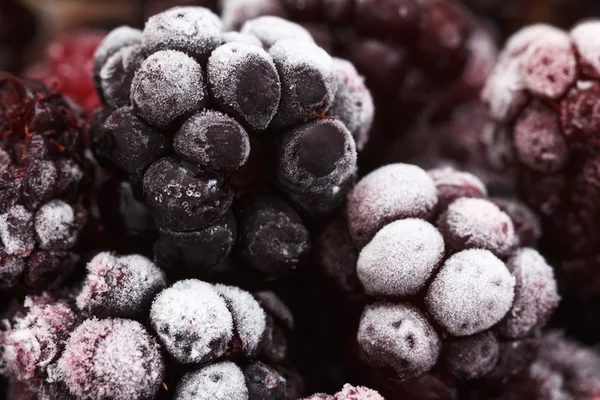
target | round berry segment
x=472, y=291
x=219, y=381
x=213, y=141
x=472, y=357
x=400, y=258
x=168, y=85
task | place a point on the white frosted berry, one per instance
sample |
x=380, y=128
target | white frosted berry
x=57, y=225
x=269, y=29
x=472, y=292
x=117, y=39
x=196, y=31
x=504, y=91
x=249, y=318
x=393, y=192
x=520, y=41
x=111, y=359
x=167, y=86
x=398, y=336
x=536, y=294
x=120, y=286
x=400, y=259
x=192, y=321
x=452, y=184
x=585, y=39
x=17, y=230
x=220, y=381
x=471, y=223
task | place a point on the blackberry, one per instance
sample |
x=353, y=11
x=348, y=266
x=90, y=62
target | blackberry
x=44, y=180
x=349, y=392
x=423, y=58
x=541, y=96
x=442, y=261
x=199, y=120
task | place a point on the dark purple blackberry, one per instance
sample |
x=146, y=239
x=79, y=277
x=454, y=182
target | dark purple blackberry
x=458, y=276
x=182, y=197
x=44, y=180
x=264, y=382
x=111, y=358
x=119, y=286
x=271, y=236
x=222, y=114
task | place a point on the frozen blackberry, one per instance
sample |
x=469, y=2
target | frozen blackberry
x=473, y=356
x=221, y=115
x=194, y=253
x=45, y=181
x=119, y=286
x=271, y=236
x=132, y=145
x=392, y=192
x=244, y=82
x=477, y=224
x=111, y=358
x=542, y=94
x=536, y=294
x=400, y=258
x=472, y=291
x=452, y=185
x=315, y=156
x=168, y=85
x=183, y=198
x=219, y=381
x=399, y=337
x=35, y=337
x=196, y=31
x=213, y=141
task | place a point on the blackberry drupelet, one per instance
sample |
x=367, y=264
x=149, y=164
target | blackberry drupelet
x=200, y=120
x=44, y=179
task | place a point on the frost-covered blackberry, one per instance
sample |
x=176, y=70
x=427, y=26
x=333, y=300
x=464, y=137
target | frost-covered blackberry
x=220, y=114
x=219, y=381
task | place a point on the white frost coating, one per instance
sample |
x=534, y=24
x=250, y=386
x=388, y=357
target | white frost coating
x=520, y=41
x=118, y=38
x=196, y=31
x=400, y=337
x=16, y=230
x=536, y=294
x=400, y=258
x=452, y=184
x=228, y=87
x=192, y=321
x=472, y=291
x=119, y=286
x=220, y=381
x=504, y=91
x=477, y=223
x=548, y=66
x=585, y=38
x=350, y=392
x=249, y=318
x=393, y=192
x=111, y=359
x=236, y=12
x=56, y=226
x=352, y=104
x=269, y=29
x=168, y=85
x=276, y=307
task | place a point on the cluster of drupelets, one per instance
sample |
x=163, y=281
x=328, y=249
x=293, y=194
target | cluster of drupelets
x=227, y=152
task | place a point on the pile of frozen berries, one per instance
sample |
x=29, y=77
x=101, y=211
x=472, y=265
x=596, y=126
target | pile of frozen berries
x=183, y=216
